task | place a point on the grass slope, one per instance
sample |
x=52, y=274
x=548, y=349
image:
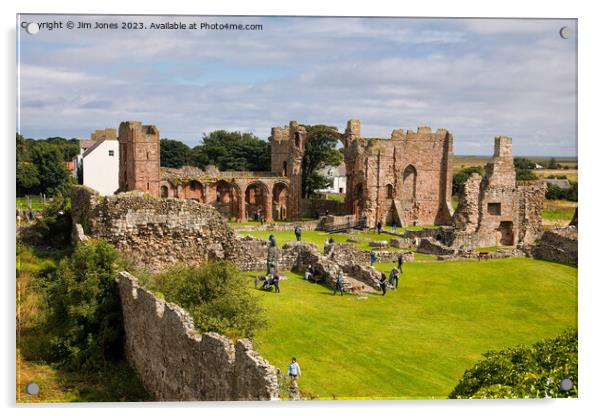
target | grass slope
x=418, y=341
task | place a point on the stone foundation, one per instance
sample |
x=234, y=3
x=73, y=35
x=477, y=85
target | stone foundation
x=177, y=364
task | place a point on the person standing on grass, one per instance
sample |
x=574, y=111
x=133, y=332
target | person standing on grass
x=400, y=262
x=338, y=287
x=309, y=273
x=298, y=233
x=394, y=227
x=379, y=227
x=372, y=258
x=276, y=281
x=294, y=371
x=394, y=278
x=383, y=283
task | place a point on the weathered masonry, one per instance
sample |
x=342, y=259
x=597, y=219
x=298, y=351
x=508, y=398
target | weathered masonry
x=175, y=362
x=404, y=179
x=498, y=210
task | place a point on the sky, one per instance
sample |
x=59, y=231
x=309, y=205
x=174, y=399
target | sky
x=477, y=78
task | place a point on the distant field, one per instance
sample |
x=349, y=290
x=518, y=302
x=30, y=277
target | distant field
x=467, y=160
x=557, y=212
x=571, y=174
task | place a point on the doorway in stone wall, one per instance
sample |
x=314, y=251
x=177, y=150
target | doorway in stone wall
x=505, y=233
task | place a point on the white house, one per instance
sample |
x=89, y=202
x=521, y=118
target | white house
x=98, y=161
x=339, y=180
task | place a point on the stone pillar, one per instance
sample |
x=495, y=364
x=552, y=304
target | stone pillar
x=268, y=206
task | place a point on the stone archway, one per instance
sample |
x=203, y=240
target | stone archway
x=408, y=184
x=280, y=193
x=227, y=199
x=258, y=201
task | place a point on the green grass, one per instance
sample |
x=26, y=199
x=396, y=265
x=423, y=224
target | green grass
x=418, y=341
x=36, y=202
x=318, y=237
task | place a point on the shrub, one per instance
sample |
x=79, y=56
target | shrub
x=523, y=371
x=216, y=296
x=461, y=176
x=85, y=313
x=53, y=228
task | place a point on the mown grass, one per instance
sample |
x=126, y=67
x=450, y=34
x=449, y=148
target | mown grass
x=415, y=342
x=36, y=202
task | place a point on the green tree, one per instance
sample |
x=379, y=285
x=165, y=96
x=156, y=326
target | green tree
x=524, y=371
x=461, y=176
x=85, y=313
x=522, y=163
x=320, y=152
x=54, y=176
x=216, y=295
x=525, y=175
x=28, y=179
x=174, y=153
x=553, y=164
x=232, y=151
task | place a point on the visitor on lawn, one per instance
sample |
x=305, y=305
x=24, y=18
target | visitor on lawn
x=394, y=227
x=309, y=273
x=276, y=282
x=372, y=258
x=272, y=240
x=383, y=283
x=400, y=263
x=379, y=227
x=298, y=233
x=294, y=371
x=394, y=278
x=338, y=287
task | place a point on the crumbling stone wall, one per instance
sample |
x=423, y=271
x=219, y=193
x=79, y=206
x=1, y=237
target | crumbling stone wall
x=560, y=245
x=405, y=179
x=496, y=209
x=176, y=363
x=154, y=232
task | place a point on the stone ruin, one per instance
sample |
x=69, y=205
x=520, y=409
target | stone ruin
x=175, y=363
x=405, y=179
x=498, y=210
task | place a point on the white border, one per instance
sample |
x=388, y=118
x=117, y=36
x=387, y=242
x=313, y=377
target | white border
x=590, y=155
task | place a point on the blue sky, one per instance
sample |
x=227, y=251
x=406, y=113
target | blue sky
x=478, y=78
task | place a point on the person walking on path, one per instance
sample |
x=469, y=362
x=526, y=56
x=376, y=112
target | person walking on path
x=298, y=233
x=400, y=262
x=276, y=281
x=294, y=371
x=338, y=286
x=383, y=283
x=372, y=258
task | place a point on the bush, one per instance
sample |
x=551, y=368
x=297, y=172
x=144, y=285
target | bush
x=53, y=228
x=525, y=175
x=523, y=371
x=461, y=176
x=216, y=296
x=85, y=318
x=570, y=194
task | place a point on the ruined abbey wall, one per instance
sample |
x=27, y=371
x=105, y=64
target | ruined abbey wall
x=176, y=363
x=153, y=232
x=496, y=209
x=405, y=179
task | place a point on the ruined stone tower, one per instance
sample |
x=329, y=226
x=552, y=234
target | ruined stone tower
x=139, y=159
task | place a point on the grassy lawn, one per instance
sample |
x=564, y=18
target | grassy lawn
x=36, y=202
x=557, y=212
x=418, y=341
x=318, y=237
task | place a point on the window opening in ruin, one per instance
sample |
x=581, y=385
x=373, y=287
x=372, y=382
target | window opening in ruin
x=494, y=208
x=164, y=191
x=148, y=186
x=389, y=191
x=284, y=173
x=111, y=153
x=297, y=139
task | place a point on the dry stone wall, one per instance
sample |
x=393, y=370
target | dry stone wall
x=174, y=362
